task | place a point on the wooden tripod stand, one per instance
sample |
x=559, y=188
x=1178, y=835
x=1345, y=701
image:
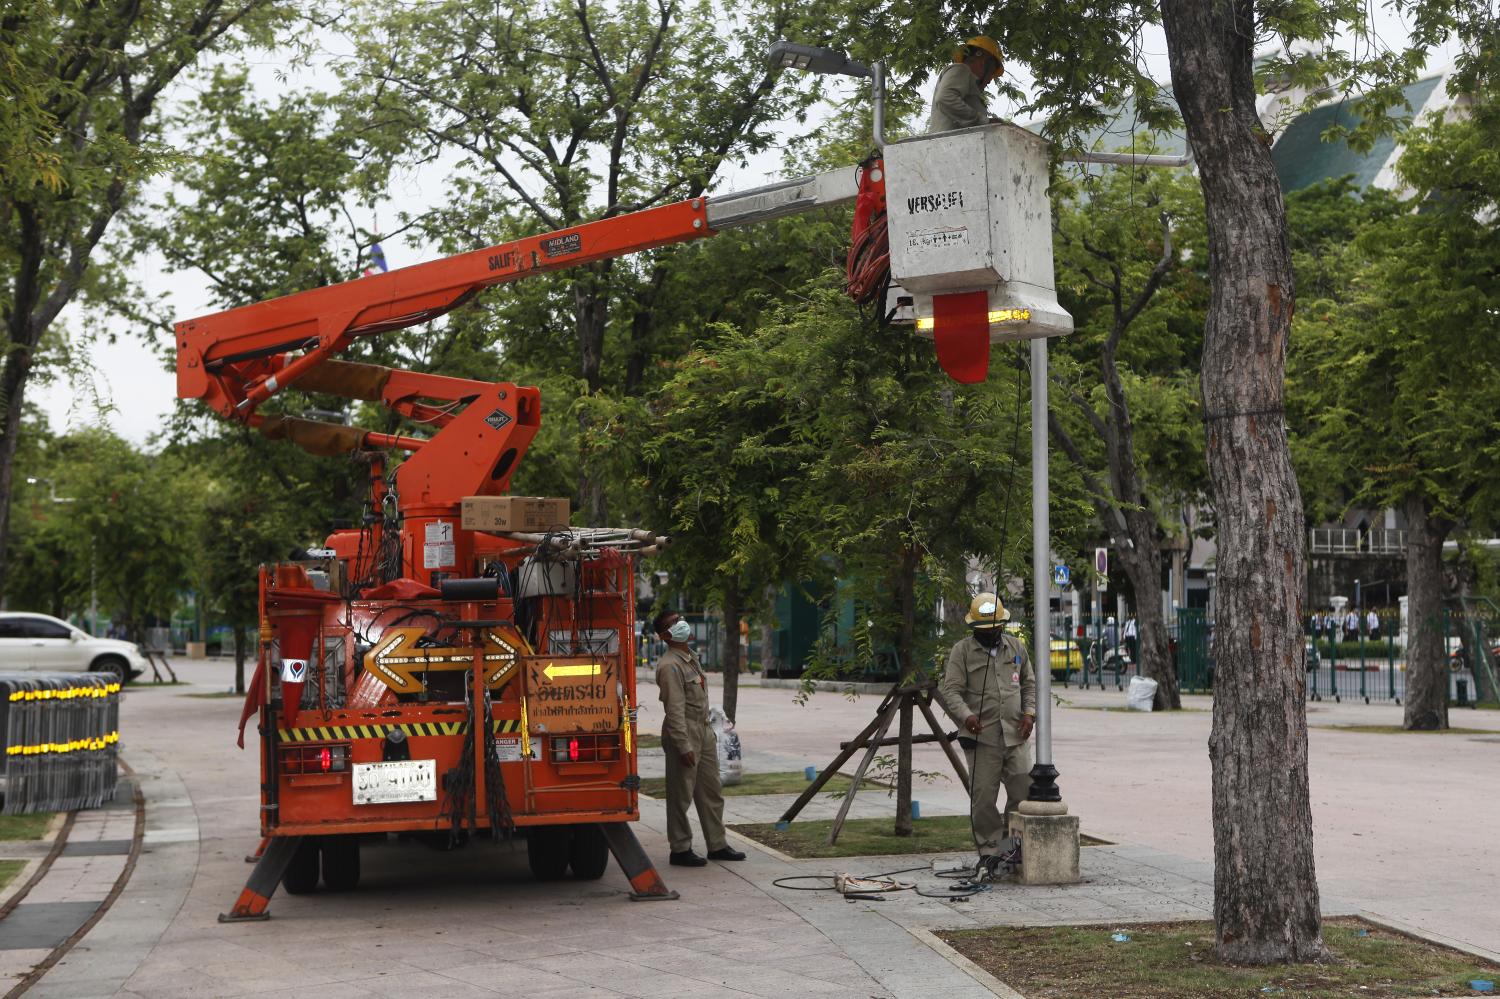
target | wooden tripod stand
x=899, y=702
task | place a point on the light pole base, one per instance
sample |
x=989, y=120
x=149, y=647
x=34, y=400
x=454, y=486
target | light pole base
x=1042, y=808
x=1049, y=844
x=1044, y=785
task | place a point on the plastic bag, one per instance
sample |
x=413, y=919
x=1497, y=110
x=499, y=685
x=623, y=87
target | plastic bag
x=1141, y=694
x=731, y=763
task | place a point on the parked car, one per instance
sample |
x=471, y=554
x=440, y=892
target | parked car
x=42, y=642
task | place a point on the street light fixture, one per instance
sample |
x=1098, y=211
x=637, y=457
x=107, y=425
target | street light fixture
x=812, y=59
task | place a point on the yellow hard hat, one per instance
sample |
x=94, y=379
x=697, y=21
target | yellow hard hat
x=986, y=611
x=983, y=43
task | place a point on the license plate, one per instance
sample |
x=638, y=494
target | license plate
x=395, y=780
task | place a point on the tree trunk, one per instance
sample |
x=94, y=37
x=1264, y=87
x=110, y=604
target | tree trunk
x=12, y=394
x=1143, y=567
x=731, y=647
x=1265, y=880
x=240, y=646
x=1426, y=659
x=906, y=598
x=591, y=314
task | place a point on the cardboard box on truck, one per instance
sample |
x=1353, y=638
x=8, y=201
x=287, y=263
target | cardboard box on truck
x=514, y=513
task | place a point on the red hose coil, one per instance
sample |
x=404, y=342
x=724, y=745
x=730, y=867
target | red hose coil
x=868, y=268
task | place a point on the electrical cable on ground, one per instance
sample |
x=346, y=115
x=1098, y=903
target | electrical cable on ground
x=870, y=886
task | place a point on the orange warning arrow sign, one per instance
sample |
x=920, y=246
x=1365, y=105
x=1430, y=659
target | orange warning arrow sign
x=398, y=661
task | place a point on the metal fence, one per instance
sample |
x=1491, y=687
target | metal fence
x=1348, y=541
x=59, y=732
x=1365, y=664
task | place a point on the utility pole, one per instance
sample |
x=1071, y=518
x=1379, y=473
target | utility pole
x=1043, y=773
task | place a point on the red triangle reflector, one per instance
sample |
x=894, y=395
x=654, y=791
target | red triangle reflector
x=961, y=330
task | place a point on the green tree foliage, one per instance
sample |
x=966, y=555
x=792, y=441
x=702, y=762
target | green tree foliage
x=822, y=442
x=1130, y=263
x=1398, y=376
x=102, y=520
x=89, y=79
x=252, y=507
x=562, y=113
x=266, y=206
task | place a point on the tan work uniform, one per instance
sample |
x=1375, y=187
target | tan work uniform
x=999, y=686
x=958, y=100
x=684, y=694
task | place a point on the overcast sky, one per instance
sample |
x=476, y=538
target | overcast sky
x=137, y=391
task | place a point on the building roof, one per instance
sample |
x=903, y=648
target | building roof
x=1303, y=158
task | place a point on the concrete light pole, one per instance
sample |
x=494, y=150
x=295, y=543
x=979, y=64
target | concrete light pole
x=1044, y=793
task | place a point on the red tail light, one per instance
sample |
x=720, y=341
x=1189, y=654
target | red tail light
x=586, y=748
x=314, y=759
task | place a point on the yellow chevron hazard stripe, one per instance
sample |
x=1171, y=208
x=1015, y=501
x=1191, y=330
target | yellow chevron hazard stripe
x=334, y=733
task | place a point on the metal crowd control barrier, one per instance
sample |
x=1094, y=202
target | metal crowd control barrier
x=59, y=732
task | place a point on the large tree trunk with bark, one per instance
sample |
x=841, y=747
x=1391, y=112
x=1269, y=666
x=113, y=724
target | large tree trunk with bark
x=1265, y=881
x=22, y=334
x=12, y=390
x=730, y=650
x=1426, y=659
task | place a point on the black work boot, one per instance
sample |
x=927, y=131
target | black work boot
x=686, y=858
x=725, y=853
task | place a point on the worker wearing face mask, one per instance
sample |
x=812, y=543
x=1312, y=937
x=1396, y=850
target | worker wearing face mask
x=692, y=753
x=989, y=688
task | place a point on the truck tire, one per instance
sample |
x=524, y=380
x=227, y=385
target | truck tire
x=340, y=862
x=588, y=854
x=547, y=851
x=301, y=877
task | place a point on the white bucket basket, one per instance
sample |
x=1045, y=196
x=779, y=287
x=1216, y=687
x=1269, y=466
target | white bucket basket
x=968, y=213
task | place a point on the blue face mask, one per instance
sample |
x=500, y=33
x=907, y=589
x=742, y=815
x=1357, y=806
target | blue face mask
x=680, y=631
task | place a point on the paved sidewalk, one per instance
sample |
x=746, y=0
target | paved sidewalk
x=473, y=923
x=72, y=888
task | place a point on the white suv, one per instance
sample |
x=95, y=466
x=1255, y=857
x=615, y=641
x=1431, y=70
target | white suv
x=41, y=642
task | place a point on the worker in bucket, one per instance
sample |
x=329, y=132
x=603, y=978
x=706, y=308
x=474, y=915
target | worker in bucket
x=989, y=688
x=958, y=100
x=692, y=753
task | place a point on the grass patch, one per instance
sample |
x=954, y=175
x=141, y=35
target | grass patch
x=1398, y=730
x=216, y=695
x=139, y=684
x=645, y=740
x=792, y=782
x=33, y=826
x=8, y=871
x=1176, y=960
x=870, y=837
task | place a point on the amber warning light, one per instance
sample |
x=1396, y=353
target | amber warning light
x=997, y=317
